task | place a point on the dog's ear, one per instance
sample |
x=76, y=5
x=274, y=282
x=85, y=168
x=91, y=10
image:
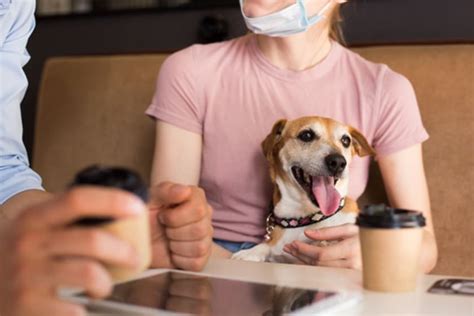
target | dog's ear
x=273, y=137
x=360, y=144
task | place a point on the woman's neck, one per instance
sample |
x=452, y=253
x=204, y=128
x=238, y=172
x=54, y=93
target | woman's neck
x=297, y=52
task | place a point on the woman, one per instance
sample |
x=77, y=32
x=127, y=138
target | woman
x=215, y=103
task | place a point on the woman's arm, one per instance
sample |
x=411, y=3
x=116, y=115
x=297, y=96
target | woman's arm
x=177, y=158
x=405, y=183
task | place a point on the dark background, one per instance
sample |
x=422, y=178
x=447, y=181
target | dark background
x=366, y=22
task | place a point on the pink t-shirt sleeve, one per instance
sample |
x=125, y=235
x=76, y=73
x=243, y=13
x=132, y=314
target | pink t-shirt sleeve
x=398, y=116
x=175, y=100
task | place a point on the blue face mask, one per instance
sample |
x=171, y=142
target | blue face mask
x=288, y=21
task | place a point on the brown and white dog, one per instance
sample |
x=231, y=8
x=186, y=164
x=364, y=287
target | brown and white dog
x=308, y=159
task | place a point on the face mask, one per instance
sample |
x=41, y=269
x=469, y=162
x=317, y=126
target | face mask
x=288, y=21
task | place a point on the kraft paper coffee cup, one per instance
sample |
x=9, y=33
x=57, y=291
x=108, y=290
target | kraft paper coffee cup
x=134, y=229
x=390, y=242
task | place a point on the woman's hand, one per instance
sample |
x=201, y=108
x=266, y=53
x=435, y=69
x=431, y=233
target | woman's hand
x=181, y=226
x=340, y=247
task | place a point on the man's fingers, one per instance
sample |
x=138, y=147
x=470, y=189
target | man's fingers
x=86, y=201
x=333, y=233
x=192, y=232
x=185, y=214
x=191, y=249
x=160, y=258
x=93, y=243
x=191, y=264
x=81, y=273
x=168, y=193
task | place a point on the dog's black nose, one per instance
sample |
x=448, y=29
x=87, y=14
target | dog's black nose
x=335, y=163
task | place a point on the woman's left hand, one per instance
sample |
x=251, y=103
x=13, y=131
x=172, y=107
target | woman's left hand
x=342, y=249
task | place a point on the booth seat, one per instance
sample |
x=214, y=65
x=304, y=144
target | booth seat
x=91, y=110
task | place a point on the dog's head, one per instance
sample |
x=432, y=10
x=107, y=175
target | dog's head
x=309, y=160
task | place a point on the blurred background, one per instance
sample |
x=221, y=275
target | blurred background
x=98, y=27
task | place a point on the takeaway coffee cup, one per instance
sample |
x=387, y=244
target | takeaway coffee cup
x=134, y=229
x=390, y=242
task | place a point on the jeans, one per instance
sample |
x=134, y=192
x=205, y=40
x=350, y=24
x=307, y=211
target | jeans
x=234, y=246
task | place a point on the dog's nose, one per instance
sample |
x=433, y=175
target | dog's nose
x=335, y=163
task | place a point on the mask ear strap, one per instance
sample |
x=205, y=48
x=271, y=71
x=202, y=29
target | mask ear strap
x=320, y=14
x=304, y=16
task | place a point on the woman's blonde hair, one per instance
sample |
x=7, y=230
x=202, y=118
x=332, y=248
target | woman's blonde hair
x=335, y=30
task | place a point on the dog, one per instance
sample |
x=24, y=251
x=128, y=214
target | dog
x=308, y=162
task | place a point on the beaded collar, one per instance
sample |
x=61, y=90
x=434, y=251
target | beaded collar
x=286, y=222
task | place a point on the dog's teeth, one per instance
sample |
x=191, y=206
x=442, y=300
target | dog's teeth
x=307, y=178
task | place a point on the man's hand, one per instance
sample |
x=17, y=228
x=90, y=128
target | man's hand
x=342, y=251
x=181, y=226
x=42, y=251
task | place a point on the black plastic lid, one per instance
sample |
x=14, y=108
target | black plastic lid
x=114, y=177
x=382, y=216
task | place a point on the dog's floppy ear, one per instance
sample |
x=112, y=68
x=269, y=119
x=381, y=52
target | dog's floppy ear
x=273, y=137
x=360, y=144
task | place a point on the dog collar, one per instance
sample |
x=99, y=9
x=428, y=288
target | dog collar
x=286, y=222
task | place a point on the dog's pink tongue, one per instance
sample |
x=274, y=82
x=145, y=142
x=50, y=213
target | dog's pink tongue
x=326, y=194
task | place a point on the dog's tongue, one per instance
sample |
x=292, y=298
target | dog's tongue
x=326, y=194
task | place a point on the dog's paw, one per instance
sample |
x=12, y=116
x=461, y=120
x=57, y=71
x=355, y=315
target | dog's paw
x=258, y=253
x=248, y=255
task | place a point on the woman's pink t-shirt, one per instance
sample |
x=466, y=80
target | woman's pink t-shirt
x=232, y=95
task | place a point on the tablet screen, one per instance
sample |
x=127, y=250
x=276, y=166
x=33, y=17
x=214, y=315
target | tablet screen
x=192, y=294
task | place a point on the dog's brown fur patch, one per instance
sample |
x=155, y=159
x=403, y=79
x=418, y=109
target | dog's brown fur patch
x=350, y=206
x=277, y=233
x=360, y=144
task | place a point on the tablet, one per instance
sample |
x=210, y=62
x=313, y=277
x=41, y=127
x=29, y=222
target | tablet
x=172, y=292
x=453, y=286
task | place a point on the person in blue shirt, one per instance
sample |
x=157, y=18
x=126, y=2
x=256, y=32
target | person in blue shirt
x=39, y=250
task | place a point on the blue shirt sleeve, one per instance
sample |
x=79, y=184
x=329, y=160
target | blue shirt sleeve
x=16, y=25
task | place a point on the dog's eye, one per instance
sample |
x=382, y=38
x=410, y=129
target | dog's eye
x=346, y=141
x=307, y=136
